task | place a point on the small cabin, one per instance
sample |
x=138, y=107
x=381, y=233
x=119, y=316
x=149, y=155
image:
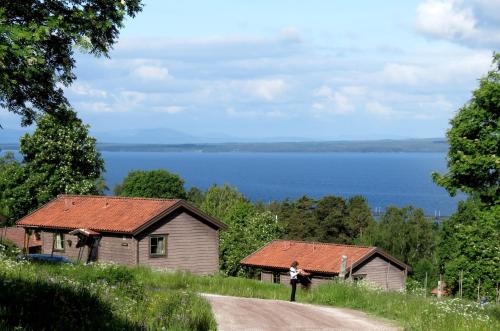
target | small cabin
x=160, y=233
x=327, y=261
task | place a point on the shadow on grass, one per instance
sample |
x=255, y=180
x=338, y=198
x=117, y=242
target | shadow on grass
x=38, y=305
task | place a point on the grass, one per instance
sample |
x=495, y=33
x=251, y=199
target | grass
x=94, y=297
x=410, y=311
x=112, y=297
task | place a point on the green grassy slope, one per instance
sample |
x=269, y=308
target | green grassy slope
x=109, y=297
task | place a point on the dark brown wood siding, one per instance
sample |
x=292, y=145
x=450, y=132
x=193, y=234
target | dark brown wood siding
x=70, y=249
x=266, y=276
x=382, y=273
x=112, y=248
x=117, y=249
x=192, y=245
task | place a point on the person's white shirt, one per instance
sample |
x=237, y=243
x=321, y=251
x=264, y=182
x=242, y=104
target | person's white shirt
x=293, y=273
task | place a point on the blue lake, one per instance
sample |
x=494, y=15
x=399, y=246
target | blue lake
x=383, y=178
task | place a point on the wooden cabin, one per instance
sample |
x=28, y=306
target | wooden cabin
x=326, y=261
x=162, y=234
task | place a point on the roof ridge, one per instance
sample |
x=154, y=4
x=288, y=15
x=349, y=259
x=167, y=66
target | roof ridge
x=113, y=197
x=324, y=243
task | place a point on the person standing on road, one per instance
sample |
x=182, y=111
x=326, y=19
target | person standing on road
x=294, y=273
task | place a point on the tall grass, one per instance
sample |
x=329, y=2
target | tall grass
x=93, y=297
x=410, y=311
x=110, y=297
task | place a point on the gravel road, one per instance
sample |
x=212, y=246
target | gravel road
x=234, y=313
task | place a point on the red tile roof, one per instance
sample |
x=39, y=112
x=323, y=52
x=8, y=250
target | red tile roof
x=16, y=235
x=104, y=213
x=316, y=257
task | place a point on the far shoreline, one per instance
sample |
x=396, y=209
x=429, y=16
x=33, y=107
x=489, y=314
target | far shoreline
x=428, y=145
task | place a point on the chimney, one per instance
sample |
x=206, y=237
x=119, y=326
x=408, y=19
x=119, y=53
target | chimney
x=67, y=204
x=343, y=266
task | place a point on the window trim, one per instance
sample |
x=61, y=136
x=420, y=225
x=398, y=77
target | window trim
x=277, y=277
x=164, y=236
x=358, y=278
x=54, y=248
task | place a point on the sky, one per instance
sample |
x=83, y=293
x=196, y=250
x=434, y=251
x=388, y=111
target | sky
x=321, y=70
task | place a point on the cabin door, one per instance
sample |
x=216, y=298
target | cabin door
x=93, y=243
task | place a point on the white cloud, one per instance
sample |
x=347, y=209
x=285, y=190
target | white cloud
x=402, y=74
x=375, y=107
x=445, y=19
x=151, y=72
x=337, y=102
x=170, y=109
x=87, y=90
x=267, y=89
x=467, y=22
x=445, y=71
x=290, y=34
x=94, y=107
x=231, y=112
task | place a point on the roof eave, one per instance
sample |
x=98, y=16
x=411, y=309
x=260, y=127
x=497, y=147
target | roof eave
x=374, y=251
x=174, y=207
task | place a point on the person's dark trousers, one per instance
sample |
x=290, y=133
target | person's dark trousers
x=294, y=288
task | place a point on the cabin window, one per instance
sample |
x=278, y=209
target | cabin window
x=276, y=277
x=59, y=242
x=158, y=245
x=358, y=278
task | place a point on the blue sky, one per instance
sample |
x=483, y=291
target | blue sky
x=307, y=69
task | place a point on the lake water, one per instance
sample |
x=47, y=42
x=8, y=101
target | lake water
x=383, y=178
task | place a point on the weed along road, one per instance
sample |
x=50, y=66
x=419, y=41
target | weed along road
x=234, y=313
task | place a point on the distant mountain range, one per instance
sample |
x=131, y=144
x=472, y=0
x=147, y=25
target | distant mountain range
x=169, y=136
x=430, y=145
x=154, y=136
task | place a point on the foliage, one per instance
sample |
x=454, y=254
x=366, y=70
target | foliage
x=471, y=237
x=248, y=228
x=58, y=158
x=329, y=219
x=195, y=196
x=242, y=239
x=37, y=39
x=220, y=201
x=471, y=244
x=410, y=311
x=474, y=139
x=151, y=184
x=97, y=297
x=8, y=248
x=406, y=234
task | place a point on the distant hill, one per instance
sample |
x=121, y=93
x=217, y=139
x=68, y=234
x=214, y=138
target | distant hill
x=436, y=145
x=429, y=145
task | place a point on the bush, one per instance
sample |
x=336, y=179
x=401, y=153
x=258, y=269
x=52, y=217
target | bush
x=8, y=249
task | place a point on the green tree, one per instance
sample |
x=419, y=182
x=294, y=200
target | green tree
x=152, y=184
x=358, y=215
x=248, y=227
x=470, y=238
x=195, y=196
x=299, y=219
x=220, y=201
x=474, y=139
x=471, y=244
x=12, y=176
x=408, y=235
x=58, y=158
x=331, y=222
x=37, y=42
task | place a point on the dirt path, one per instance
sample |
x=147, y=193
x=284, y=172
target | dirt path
x=233, y=313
